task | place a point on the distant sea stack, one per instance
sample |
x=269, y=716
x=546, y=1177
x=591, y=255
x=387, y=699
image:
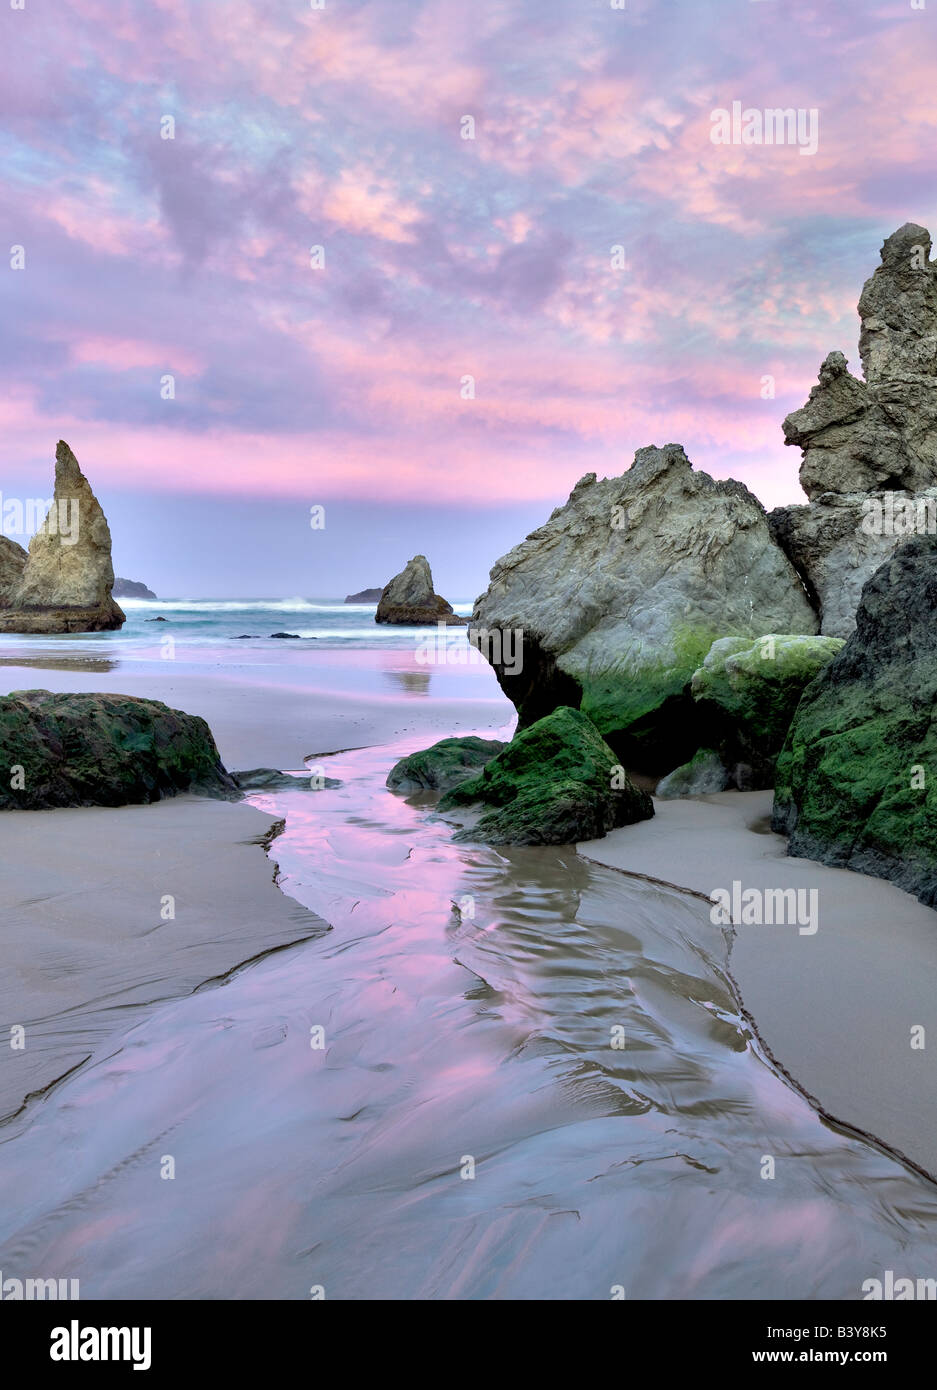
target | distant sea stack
x=66, y=580
x=366, y=596
x=131, y=588
x=409, y=598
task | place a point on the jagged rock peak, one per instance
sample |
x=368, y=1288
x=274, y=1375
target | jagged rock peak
x=66, y=581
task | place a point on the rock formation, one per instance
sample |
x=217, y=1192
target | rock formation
x=857, y=777
x=66, y=582
x=442, y=766
x=366, y=596
x=747, y=692
x=621, y=594
x=555, y=783
x=131, y=588
x=409, y=598
x=102, y=750
x=12, y=561
x=703, y=775
x=869, y=446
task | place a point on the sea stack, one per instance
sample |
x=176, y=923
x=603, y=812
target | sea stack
x=409, y=598
x=66, y=580
x=869, y=445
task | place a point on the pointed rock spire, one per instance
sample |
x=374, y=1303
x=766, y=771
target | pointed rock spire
x=66, y=582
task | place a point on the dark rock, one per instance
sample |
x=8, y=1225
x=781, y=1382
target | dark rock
x=294, y=636
x=131, y=588
x=703, y=775
x=443, y=765
x=256, y=779
x=409, y=598
x=366, y=596
x=555, y=783
x=102, y=750
x=857, y=777
x=156, y=620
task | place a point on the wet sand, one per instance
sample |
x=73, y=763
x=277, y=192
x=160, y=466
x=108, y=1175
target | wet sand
x=836, y=1009
x=85, y=940
x=260, y=723
x=487, y=1033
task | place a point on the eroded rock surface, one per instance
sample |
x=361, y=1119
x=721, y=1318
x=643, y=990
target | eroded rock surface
x=621, y=594
x=66, y=581
x=866, y=439
x=409, y=598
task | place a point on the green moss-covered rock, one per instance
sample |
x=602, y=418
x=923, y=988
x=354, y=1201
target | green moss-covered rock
x=857, y=777
x=102, y=750
x=748, y=692
x=703, y=775
x=443, y=765
x=556, y=782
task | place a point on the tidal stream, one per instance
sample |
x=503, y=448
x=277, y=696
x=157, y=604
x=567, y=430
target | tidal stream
x=533, y=1082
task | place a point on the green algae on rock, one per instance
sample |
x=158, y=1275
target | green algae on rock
x=748, y=692
x=444, y=765
x=857, y=777
x=102, y=750
x=556, y=782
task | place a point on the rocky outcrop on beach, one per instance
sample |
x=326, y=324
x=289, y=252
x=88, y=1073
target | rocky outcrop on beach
x=555, y=783
x=366, y=596
x=409, y=598
x=131, y=588
x=271, y=779
x=857, y=777
x=747, y=692
x=869, y=445
x=66, y=581
x=102, y=750
x=443, y=765
x=621, y=594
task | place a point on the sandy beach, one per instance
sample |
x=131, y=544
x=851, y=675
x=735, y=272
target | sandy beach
x=82, y=936
x=835, y=1008
x=467, y=996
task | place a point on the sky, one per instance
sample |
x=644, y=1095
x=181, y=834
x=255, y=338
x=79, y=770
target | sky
x=466, y=341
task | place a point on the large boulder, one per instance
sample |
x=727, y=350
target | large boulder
x=870, y=443
x=621, y=594
x=857, y=778
x=748, y=692
x=555, y=783
x=102, y=750
x=442, y=766
x=66, y=582
x=409, y=598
